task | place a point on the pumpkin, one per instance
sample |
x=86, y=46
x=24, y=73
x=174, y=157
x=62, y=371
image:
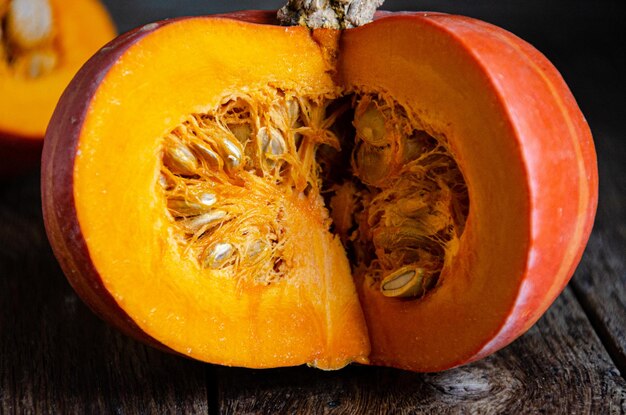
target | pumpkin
x=43, y=43
x=413, y=193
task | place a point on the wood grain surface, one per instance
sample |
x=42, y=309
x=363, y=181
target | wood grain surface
x=56, y=357
x=600, y=283
x=548, y=370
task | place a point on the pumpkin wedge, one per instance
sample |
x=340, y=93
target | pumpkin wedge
x=43, y=43
x=412, y=193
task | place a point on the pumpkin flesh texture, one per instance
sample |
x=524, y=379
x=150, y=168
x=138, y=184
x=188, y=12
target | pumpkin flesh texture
x=314, y=315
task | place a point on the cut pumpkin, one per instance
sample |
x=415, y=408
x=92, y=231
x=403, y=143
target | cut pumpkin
x=411, y=193
x=43, y=43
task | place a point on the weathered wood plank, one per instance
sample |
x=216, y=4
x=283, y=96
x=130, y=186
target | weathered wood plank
x=55, y=355
x=600, y=282
x=559, y=366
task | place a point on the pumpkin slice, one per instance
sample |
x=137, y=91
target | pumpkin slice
x=527, y=157
x=265, y=284
x=43, y=43
x=254, y=195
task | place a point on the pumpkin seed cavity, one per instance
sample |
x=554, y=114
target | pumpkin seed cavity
x=393, y=192
x=27, y=38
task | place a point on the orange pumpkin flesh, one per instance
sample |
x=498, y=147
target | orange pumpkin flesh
x=116, y=185
x=79, y=29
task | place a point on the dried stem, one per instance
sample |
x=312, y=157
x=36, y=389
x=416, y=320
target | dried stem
x=330, y=14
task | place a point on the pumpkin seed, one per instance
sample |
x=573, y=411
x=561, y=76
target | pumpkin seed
x=207, y=199
x=164, y=182
x=272, y=141
x=218, y=255
x=38, y=63
x=180, y=159
x=405, y=282
x=211, y=158
x=255, y=248
x=196, y=223
x=370, y=126
x=29, y=23
x=293, y=109
x=372, y=164
x=184, y=207
x=231, y=152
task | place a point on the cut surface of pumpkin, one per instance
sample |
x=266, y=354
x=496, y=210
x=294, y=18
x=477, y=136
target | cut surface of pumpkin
x=372, y=195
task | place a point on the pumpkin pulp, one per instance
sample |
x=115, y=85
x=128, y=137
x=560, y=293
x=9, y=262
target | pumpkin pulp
x=232, y=179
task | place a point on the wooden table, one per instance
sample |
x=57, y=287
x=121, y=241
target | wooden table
x=57, y=357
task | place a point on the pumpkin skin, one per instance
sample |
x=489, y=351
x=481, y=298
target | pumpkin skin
x=514, y=128
x=81, y=27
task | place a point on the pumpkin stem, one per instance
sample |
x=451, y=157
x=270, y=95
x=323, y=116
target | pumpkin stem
x=329, y=14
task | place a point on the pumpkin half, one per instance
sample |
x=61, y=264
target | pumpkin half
x=43, y=43
x=412, y=193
